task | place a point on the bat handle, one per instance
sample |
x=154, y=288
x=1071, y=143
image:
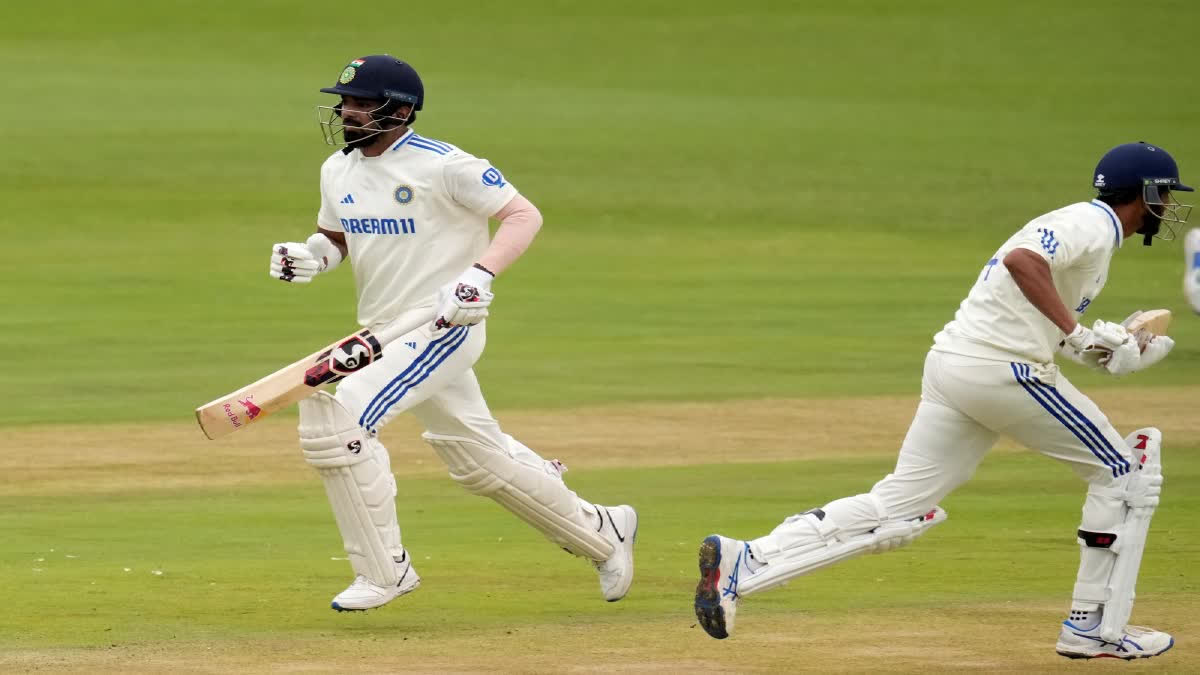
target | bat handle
x=402, y=326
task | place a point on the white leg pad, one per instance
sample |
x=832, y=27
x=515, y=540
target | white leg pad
x=809, y=541
x=357, y=474
x=530, y=489
x=1131, y=502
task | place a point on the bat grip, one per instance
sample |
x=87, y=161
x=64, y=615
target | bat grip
x=403, y=325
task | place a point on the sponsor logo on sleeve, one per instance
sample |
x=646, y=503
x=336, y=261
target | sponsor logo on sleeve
x=492, y=178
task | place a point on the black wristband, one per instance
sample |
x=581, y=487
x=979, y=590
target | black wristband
x=481, y=267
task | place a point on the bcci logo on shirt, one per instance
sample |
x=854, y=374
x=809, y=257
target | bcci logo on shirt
x=403, y=194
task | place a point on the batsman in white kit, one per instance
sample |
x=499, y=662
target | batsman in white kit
x=991, y=372
x=410, y=214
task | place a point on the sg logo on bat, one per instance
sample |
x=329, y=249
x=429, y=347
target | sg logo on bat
x=353, y=354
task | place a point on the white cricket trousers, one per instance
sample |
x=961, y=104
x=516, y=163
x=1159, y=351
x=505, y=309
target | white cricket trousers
x=428, y=373
x=966, y=404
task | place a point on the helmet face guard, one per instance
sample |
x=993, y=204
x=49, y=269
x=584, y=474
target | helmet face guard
x=379, y=77
x=1160, y=200
x=1162, y=209
x=333, y=126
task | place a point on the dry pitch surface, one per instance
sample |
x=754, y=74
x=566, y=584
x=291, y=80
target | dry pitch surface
x=119, y=458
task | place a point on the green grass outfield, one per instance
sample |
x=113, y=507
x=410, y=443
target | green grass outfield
x=240, y=565
x=763, y=199
x=767, y=199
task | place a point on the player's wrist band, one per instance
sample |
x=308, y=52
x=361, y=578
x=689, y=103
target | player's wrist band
x=481, y=267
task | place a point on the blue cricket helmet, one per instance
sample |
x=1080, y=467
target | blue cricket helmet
x=380, y=76
x=1136, y=165
x=1141, y=168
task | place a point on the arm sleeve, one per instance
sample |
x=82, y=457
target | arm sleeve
x=519, y=224
x=476, y=184
x=1061, y=245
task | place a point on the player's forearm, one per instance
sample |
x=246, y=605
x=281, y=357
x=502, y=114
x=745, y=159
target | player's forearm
x=1031, y=273
x=519, y=224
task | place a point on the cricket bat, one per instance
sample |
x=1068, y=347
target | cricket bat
x=288, y=385
x=1145, y=325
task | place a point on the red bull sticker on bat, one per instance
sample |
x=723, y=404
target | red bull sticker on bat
x=252, y=410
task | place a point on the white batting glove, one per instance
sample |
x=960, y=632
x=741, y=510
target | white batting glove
x=1156, y=350
x=298, y=263
x=1124, y=359
x=293, y=262
x=465, y=301
x=1095, y=347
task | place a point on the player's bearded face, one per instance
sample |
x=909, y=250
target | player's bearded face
x=1153, y=215
x=1162, y=209
x=359, y=128
x=360, y=125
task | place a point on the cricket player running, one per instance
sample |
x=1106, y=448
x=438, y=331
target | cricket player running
x=410, y=214
x=991, y=371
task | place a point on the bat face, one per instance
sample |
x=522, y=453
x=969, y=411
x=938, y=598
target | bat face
x=1146, y=325
x=352, y=354
x=1155, y=321
x=289, y=384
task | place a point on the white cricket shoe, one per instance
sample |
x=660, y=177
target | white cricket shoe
x=1191, y=269
x=363, y=595
x=616, y=574
x=722, y=564
x=1137, y=643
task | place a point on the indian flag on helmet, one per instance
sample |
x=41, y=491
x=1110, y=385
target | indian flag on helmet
x=350, y=71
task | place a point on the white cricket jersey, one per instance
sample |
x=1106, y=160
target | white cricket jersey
x=415, y=218
x=996, y=321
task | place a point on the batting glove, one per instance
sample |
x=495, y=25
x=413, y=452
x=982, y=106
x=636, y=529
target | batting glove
x=465, y=301
x=299, y=263
x=1156, y=350
x=1124, y=359
x=1096, y=346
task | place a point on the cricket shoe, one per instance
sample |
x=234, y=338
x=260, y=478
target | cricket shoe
x=620, y=525
x=1137, y=643
x=363, y=595
x=1191, y=270
x=723, y=561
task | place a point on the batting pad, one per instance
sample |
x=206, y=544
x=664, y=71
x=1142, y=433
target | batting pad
x=535, y=496
x=358, y=478
x=1115, y=555
x=814, y=542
